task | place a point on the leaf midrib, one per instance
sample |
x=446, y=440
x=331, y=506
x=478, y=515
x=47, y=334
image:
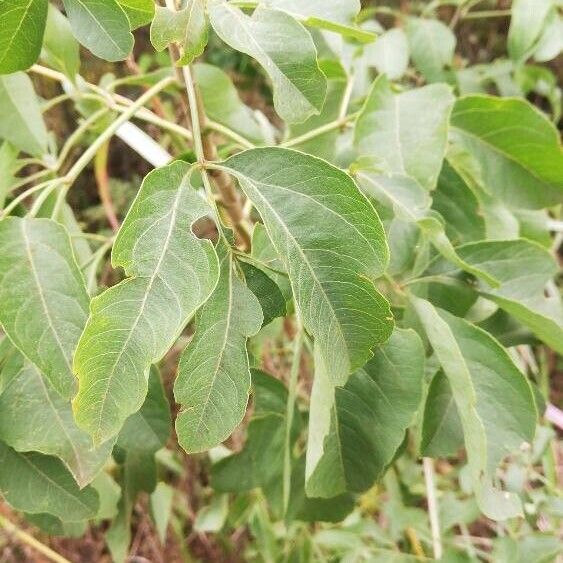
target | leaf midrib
x=154, y=275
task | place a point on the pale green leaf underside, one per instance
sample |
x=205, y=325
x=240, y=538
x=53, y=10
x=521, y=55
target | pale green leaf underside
x=34, y=417
x=284, y=48
x=432, y=46
x=355, y=430
x=516, y=146
x=139, y=12
x=187, y=28
x=523, y=268
x=37, y=484
x=494, y=401
x=332, y=15
x=21, y=121
x=411, y=203
x=389, y=54
x=22, y=23
x=101, y=26
x=213, y=375
x=332, y=244
x=223, y=104
x=407, y=133
x=60, y=48
x=43, y=296
x=528, y=18
x=133, y=324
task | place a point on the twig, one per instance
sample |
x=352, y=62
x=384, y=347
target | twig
x=336, y=124
x=102, y=181
x=290, y=409
x=31, y=541
x=428, y=467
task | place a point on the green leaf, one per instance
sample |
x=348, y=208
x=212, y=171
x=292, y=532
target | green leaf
x=22, y=23
x=137, y=473
x=432, y=47
x=389, y=54
x=285, y=50
x=222, y=104
x=528, y=20
x=355, y=430
x=21, y=121
x=170, y=273
x=331, y=15
x=143, y=434
x=550, y=43
x=148, y=430
x=516, y=146
x=410, y=202
x=260, y=463
x=442, y=433
x=187, y=28
x=60, y=48
x=329, y=10
x=269, y=295
x=35, y=483
x=44, y=299
x=139, y=12
x=324, y=146
x=34, y=417
x=101, y=26
x=161, y=509
x=493, y=398
x=213, y=375
x=54, y=526
x=332, y=267
x=407, y=133
x=523, y=269
x=9, y=166
x=459, y=207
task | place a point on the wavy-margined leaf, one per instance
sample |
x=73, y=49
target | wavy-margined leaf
x=187, y=28
x=139, y=12
x=132, y=325
x=36, y=483
x=493, y=398
x=332, y=244
x=407, y=133
x=355, y=430
x=21, y=121
x=223, y=104
x=260, y=463
x=432, y=47
x=411, y=203
x=22, y=23
x=213, y=375
x=101, y=26
x=516, y=146
x=44, y=299
x=523, y=269
x=34, y=417
x=527, y=21
x=284, y=48
x=60, y=48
